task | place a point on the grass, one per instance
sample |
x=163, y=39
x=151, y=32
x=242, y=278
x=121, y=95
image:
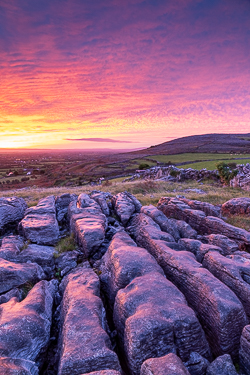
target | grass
x=181, y=158
x=240, y=221
x=65, y=244
x=212, y=164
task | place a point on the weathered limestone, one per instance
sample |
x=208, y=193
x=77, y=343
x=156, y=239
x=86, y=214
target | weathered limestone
x=196, y=364
x=244, y=354
x=152, y=319
x=170, y=364
x=12, y=293
x=40, y=224
x=123, y=262
x=208, y=208
x=84, y=345
x=67, y=261
x=219, y=310
x=173, y=207
x=62, y=203
x=236, y=206
x=15, y=250
x=16, y=366
x=11, y=211
x=104, y=372
x=25, y=326
x=222, y=365
x=125, y=205
x=101, y=198
x=88, y=223
x=228, y=246
x=198, y=248
x=234, y=271
x=143, y=224
x=16, y=274
x=166, y=225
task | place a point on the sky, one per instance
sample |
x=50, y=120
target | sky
x=122, y=74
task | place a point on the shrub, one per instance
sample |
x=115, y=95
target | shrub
x=225, y=172
x=143, y=166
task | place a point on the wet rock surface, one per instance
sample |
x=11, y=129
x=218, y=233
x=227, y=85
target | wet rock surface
x=137, y=290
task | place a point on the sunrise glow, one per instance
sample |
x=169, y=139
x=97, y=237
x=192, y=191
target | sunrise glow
x=128, y=75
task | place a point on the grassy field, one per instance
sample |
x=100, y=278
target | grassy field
x=182, y=158
x=148, y=192
x=212, y=164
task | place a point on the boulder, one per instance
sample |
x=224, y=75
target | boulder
x=16, y=274
x=43, y=207
x=11, y=211
x=153, y=319
x=218, y=309
x=222, y=365
x=84, y=345
x=244, y=354
x=122, y=263
x=233, y=271
x=125, y=205
x=16, y=366
x=170, y=364
x=236, y=206
x=25, y=326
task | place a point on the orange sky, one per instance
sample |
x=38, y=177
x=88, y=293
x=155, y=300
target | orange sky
x=77, y=74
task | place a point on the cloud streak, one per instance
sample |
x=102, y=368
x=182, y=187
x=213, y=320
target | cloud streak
x=107, y=140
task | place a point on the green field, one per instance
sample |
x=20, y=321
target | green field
x=182, y=158
x=210, y=165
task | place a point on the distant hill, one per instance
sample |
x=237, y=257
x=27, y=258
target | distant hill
x=207, y=143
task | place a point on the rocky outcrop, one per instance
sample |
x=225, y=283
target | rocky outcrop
x=168, y=365
x=40, y=224
x=101, y=198
x=84, y=344
x=218, y=309
x=153, y=319
x=125, y=205
x=11, y=211
x=172, y=173
x=198, y=248
x=25, y=326
x=173, y=207
x=242, y=179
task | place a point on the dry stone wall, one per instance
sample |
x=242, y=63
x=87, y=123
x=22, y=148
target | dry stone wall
x=147, y=290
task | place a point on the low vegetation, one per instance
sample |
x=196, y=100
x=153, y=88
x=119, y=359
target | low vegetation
x=65, y=244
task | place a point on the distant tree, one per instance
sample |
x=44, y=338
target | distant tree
x=143, y=166
x=225, y=172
